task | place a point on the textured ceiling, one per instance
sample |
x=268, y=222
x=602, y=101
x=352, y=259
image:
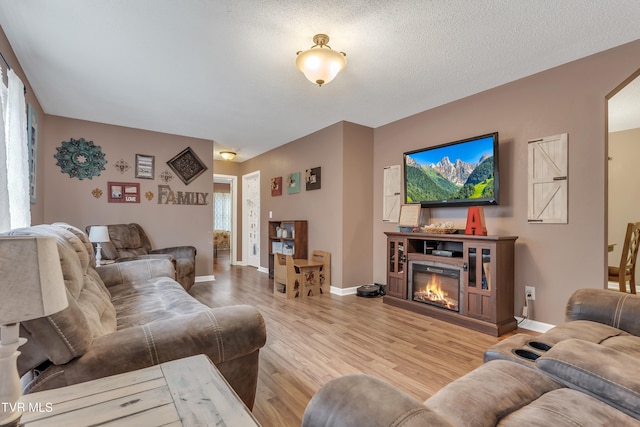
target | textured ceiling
x=224, y=70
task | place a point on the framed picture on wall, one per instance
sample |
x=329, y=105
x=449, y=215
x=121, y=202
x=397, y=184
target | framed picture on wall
x=124, y=192
x=276, y=186
x=313, y=178
x=144, y=166
x=293, y=183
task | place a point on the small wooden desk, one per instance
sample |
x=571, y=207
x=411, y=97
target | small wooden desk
x=310, y=274
x=185, y=392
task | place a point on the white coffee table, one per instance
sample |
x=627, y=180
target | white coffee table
x=185, y=392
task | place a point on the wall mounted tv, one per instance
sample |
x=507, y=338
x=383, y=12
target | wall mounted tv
x=459, y=173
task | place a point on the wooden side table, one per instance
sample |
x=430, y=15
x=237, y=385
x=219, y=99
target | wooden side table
x=184, y=392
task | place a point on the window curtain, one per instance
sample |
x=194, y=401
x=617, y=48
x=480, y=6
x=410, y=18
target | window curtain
x=14, y=156
x=222, y=219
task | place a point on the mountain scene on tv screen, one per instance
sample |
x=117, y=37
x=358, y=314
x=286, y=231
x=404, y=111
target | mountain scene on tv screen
x=447, y=180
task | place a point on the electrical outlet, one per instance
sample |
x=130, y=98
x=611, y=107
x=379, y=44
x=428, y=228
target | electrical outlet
x=530, y=292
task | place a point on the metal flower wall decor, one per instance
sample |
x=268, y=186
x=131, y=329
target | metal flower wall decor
x=80, y=158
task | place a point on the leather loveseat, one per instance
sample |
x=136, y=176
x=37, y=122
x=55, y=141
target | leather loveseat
x=127, y=316
x=585, y=372
x=129, y=241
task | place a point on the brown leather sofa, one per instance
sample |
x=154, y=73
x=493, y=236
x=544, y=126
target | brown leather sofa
x=130, y=315
x=583, y=372
x=129, y=241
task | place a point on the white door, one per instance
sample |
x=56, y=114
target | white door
x=251, y=219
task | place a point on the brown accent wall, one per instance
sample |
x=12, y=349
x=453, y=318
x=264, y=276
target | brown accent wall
x=338, y=214
x=557, y=259
x=70, y=199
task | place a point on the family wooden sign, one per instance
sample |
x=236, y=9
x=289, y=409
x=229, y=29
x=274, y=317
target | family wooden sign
x=166, y=196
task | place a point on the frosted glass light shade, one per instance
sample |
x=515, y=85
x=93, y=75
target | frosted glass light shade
x=227, y=155
x=31, y=281
x=320, y=64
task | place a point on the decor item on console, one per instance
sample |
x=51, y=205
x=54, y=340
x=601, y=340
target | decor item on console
x=320, y=64
x=459, y=173
x=31, y=287
x=187, y=165
x=475, y=222
x=584, y=372
x=131, y=315
x=439, y=228
x=80, y=158
x=129, y=241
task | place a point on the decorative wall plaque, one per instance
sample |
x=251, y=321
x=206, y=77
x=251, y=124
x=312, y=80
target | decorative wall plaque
x=121, y=166
x=187, y=165
x=145, y=166
x=80, y=158
x=313, y=178
x=293, y=183
x=276, y=186
x=166, y=176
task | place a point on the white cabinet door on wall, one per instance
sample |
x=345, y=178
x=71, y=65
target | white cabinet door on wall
x=547, y=184
x=392, y=193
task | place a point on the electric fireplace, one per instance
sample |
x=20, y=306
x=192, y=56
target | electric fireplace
x=435, y=283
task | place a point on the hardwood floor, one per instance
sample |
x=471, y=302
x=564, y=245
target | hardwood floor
x=313, y=340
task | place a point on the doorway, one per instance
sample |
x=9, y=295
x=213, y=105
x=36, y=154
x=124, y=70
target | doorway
x=225, y=199
x=623, y=148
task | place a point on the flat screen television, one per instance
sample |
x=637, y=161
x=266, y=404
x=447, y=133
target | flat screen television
x=459, y=173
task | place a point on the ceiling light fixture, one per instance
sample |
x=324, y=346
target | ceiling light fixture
x=320, y=64
x=227, y=155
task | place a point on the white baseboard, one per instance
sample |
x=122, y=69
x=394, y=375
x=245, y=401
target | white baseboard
x=263, y=270
x=205, y=278
x=343, y=291
x=534, y=325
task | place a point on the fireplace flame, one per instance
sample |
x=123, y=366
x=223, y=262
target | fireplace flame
x=434, y=290
x=433, y=293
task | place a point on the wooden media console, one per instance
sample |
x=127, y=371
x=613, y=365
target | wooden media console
x=478, y=271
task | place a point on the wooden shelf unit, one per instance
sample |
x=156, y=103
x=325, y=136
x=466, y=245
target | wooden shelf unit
x=297, y=240
x=487, y=294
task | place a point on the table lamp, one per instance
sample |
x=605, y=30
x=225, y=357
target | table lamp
x=31, y=286
x=98, y=234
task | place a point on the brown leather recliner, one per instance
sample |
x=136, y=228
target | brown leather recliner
x=129, y=241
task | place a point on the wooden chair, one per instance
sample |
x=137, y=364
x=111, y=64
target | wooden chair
x=626, y=271
x=325, y=270
x=286, y=277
